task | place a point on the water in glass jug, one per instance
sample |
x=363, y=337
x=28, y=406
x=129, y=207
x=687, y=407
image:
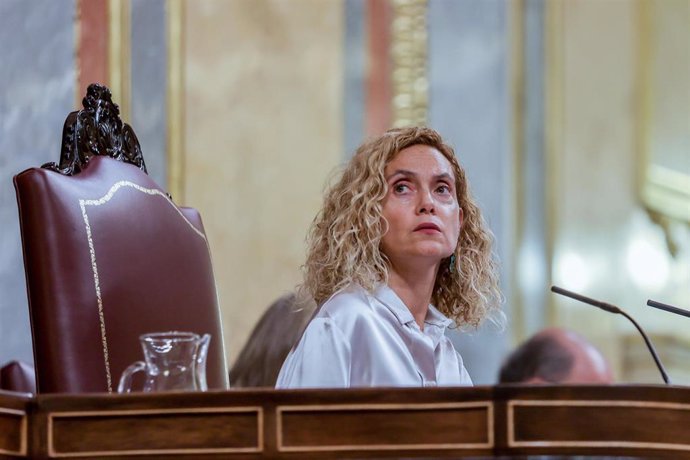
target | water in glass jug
x=174, y=361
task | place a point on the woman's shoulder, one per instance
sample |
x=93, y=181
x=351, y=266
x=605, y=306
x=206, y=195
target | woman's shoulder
x=348, y=305
x=353, y=312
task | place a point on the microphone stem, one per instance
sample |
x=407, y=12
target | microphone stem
x=650, y=346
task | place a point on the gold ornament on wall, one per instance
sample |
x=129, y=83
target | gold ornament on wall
x=409, y=56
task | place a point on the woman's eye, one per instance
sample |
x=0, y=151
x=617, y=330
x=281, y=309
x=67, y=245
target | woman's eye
x=443, y=189
x=400, y=188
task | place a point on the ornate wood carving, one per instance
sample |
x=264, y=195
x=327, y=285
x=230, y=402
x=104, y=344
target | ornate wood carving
x=96, y=130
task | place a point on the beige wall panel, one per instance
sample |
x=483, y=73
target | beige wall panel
x=596, y=167
x=604, y=242
x=668, y=91
x=262, y=133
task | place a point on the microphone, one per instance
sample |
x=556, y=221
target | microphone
x=614, y=309
x=671, y=308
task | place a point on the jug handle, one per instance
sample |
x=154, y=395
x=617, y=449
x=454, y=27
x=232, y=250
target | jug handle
x=201, y=362
x=125, y=385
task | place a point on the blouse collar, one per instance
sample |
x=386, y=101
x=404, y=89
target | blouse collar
x=390, y=299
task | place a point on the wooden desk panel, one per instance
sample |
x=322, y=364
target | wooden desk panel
x=148, y=432
x=343, y=427
x=14, y=434
x=642, y=421
x=573, y=423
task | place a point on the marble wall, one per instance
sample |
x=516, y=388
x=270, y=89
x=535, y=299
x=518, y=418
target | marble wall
x=355, y=67
x=149, y=74
x=38, y=81
x=469, y=103
x=37, y=90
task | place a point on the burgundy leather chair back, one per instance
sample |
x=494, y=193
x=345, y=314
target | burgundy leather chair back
x=108, y=257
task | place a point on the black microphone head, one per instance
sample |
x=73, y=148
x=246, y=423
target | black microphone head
x=668, y=308
x=579, y=297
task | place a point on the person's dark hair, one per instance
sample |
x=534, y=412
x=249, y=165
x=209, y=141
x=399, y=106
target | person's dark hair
x=262, y=356
x=541, y=356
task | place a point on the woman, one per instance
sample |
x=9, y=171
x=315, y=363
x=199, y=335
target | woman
x=397, y=233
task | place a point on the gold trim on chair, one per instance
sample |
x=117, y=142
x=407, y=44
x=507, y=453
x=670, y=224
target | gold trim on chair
x=94, y=265
x=280, y=410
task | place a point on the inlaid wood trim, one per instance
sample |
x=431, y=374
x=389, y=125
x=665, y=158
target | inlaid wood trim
x=487, y=405
x=52, y=453
x=23, y=429
x=512, y=442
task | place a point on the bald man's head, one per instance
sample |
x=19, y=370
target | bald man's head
x=556, y=356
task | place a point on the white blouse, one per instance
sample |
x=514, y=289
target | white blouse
x=362, y=339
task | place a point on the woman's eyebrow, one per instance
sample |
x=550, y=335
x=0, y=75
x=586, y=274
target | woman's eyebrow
x=401, y=172
x=407, y=173
x=444, y=176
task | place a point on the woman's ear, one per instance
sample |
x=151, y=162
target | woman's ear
x=461, y=216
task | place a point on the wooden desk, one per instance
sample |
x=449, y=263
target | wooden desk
x=644, y=421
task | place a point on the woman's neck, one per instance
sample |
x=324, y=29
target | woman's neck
x=414, y=287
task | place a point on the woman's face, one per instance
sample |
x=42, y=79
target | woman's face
x=421, y=207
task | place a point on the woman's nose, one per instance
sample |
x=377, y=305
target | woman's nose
x=426, y=203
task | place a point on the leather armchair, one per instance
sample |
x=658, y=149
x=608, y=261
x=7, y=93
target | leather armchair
x=17, y=376
x=108, y=256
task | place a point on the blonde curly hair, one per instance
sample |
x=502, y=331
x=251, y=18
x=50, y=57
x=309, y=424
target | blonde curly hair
x=343, y=244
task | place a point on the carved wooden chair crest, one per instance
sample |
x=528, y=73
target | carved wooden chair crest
x=96, y=130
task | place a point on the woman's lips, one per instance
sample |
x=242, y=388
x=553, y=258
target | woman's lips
x=427, y=228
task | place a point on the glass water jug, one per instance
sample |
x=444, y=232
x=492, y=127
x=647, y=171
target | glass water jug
x=174, y=361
